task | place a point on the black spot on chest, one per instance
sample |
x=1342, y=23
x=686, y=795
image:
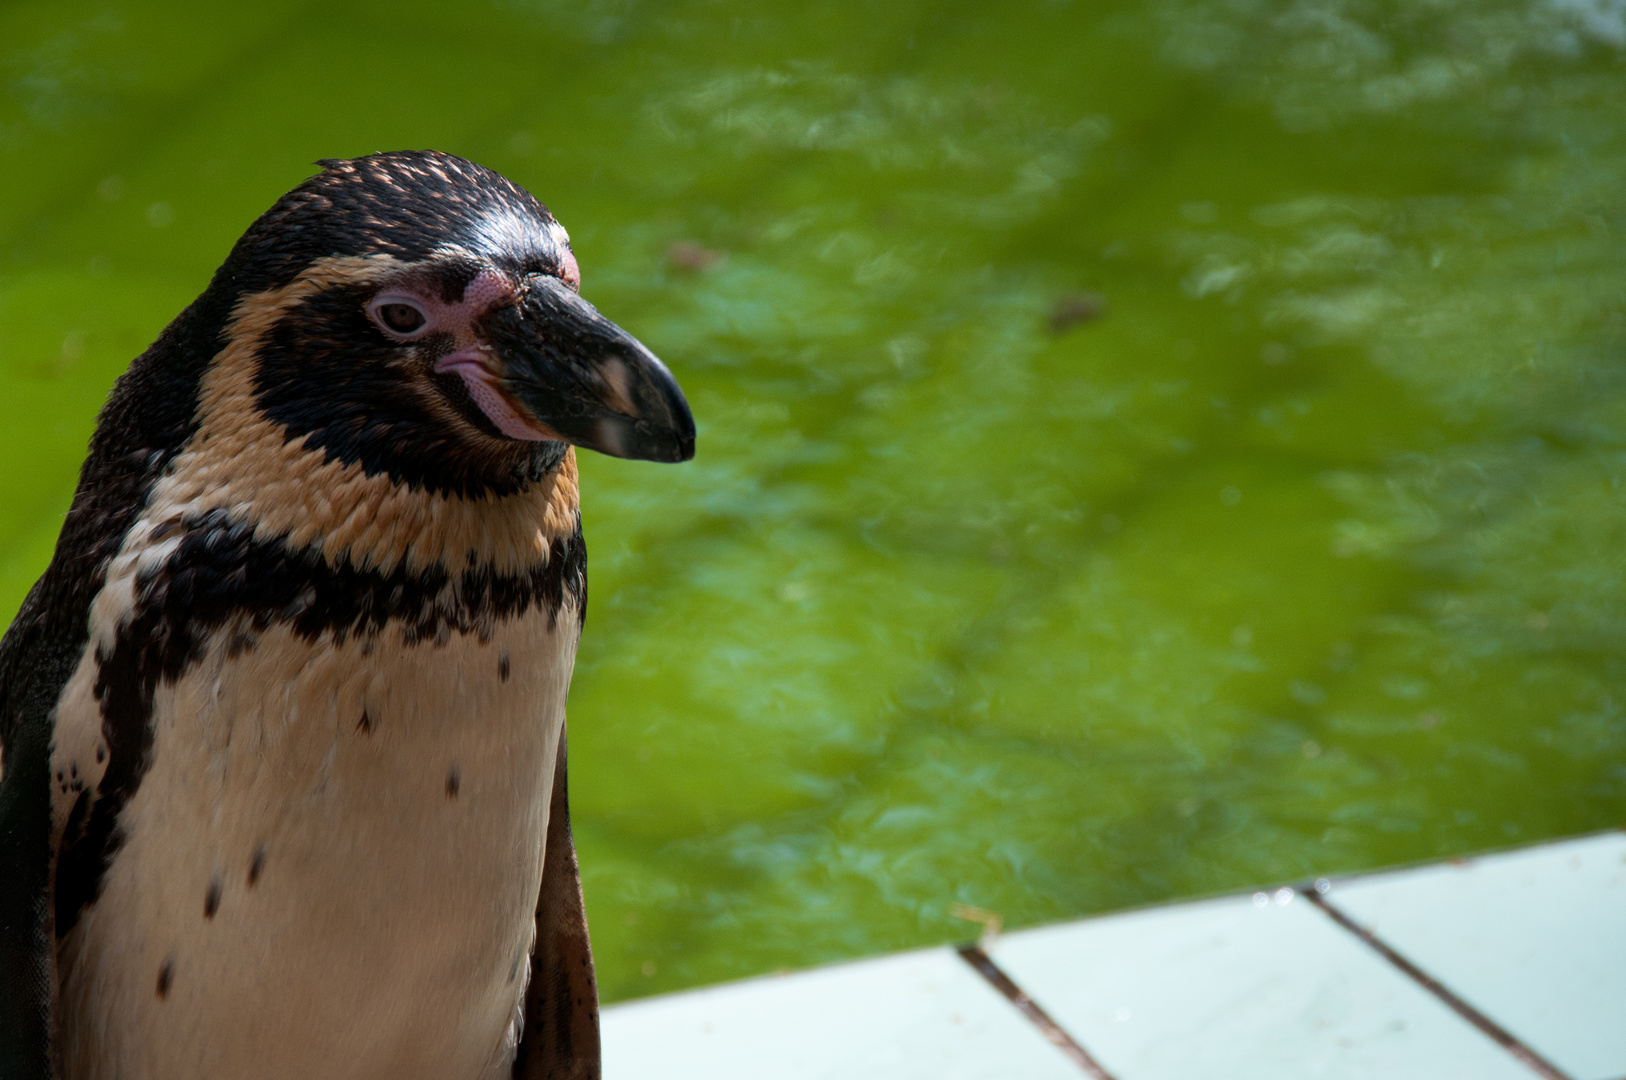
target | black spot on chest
x=166, y=977
x=220, y=575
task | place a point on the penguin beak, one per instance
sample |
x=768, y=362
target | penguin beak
x=586, y=379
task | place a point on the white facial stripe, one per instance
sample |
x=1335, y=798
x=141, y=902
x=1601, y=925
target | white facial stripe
x=561, y=239
x=506, y=231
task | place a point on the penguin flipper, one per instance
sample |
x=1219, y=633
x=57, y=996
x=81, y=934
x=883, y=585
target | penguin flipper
x=560, y=1040
x=29, y=683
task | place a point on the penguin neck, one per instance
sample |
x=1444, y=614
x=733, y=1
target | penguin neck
x=308, y=501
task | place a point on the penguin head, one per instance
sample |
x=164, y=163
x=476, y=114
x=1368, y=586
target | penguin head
x=419, y=314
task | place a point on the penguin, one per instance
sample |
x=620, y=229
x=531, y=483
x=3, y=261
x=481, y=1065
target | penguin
x=282, y=725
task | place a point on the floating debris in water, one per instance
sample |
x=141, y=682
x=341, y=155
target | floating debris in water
x=693, y=257
x=1074, y=308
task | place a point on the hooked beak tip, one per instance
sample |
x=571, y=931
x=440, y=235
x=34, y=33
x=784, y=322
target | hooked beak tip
x=587, y=379
x=624, y=437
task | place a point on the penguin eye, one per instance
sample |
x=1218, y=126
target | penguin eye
x=402, y=318
x=398, y=315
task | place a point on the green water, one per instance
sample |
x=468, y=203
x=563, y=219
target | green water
x=1145, y=448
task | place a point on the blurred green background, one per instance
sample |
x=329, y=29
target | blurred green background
x=1146, y=448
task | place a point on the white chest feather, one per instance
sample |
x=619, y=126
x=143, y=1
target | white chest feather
x=331, y=864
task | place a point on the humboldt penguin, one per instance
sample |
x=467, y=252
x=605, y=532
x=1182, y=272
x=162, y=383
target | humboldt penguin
x=282, y=726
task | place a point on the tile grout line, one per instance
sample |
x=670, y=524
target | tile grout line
x=1500, y=1035
x=984, y=965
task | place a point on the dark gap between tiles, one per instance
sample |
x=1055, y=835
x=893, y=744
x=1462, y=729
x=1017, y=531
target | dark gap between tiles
x=984, y=965
x=1504, y=1038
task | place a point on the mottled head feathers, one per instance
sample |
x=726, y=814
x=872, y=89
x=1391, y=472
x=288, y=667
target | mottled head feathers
x=406, y=205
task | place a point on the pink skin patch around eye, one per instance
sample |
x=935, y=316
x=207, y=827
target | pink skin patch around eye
x=473, y=360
